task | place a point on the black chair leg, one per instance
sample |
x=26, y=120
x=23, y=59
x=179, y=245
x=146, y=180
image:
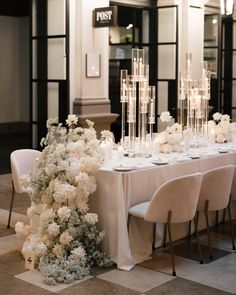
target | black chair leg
x=154, y=237
x=171, y=245
x=11, y=205
x=128, y=222
x=208, y=230
x=189, y=229
x=223, y=218
x=197, y=237
x=164, y=238
x=231, y=226
x=217, y=218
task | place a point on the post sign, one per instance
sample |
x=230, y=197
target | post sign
x=105, y=17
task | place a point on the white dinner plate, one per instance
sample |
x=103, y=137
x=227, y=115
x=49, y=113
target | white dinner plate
x=159, y=162
x=194, y=157
x=223, y=151
x=123, y=169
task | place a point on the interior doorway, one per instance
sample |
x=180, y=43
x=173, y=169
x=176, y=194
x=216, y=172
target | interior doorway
x=14, y=79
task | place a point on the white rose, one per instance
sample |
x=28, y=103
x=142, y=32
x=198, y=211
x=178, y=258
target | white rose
x=211, y=123
x=162, y=137
x=220, y=138
x=166, y=148
x=225, y=118
x=217, y=116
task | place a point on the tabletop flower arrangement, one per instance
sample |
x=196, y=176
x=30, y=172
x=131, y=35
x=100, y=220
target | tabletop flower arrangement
x=66, y=244
x=170, y=139
x=219, y=128
x=107, y=143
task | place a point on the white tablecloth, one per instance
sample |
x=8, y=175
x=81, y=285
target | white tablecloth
x=118, y=191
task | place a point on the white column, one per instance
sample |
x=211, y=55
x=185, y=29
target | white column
x=89, y=96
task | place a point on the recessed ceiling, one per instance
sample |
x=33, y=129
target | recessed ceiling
x=14, y=7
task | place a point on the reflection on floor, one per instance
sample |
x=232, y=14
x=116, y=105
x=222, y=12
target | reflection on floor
x=216, y=277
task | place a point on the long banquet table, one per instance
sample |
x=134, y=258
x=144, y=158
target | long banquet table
x=118, y=191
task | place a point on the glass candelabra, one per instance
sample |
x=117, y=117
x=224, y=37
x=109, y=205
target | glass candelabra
x=139, y=97
x=196, y=95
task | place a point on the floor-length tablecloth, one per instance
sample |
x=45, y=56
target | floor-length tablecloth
x=117, y=192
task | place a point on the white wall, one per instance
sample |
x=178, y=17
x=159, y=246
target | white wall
x=14, y=60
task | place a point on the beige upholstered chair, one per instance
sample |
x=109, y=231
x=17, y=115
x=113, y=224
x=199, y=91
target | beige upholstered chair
x=174, y=202
x=22, y=162
x=215, y=194
x=232, y=197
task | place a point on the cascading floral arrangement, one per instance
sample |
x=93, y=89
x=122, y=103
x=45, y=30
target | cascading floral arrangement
x=219, y=128
x=66, y=245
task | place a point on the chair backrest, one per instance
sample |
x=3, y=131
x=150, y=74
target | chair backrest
x=216, y=188
x=179, y=195
x=22, y=162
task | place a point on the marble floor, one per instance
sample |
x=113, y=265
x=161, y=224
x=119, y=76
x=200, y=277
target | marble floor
x=216, y=276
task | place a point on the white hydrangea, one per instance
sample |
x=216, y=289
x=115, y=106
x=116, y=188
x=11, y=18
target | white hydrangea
x=165, y=117
x=65, y=238
x=64, y=213
x=170, y=139
x=64, y=192
x=91, y=218
x=78, y=252
x=219, y=131
x=77, y=147
x=53, y=229
x=89, y=165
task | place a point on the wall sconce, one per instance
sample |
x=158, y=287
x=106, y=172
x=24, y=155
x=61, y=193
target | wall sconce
x=226, y=7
